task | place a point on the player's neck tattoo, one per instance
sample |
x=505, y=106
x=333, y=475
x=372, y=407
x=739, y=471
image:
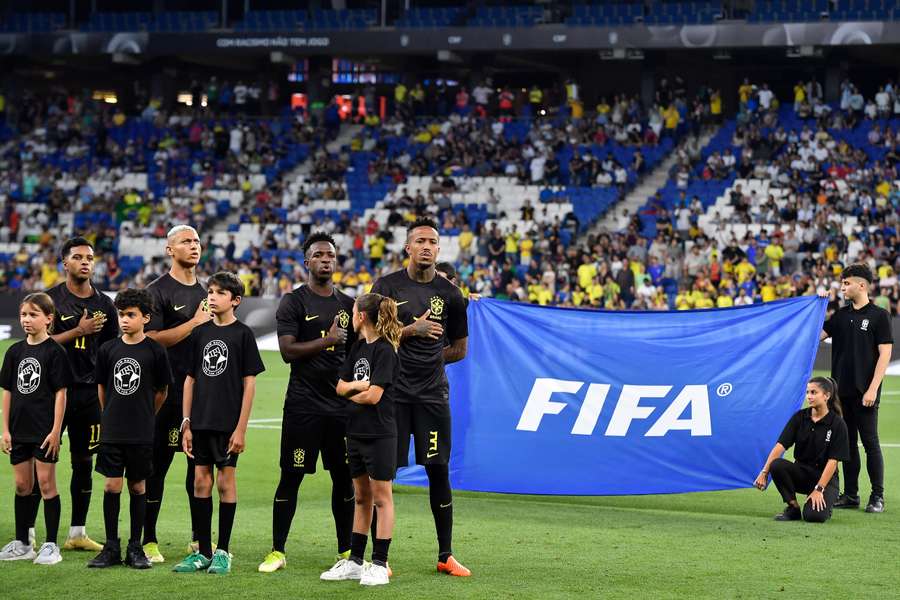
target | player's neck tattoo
x=425, y=275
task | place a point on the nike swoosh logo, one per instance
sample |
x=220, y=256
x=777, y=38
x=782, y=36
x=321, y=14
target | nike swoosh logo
x=94, y=447
x=66, y=317
x=311, y=317
x=446, y=505
x=431, y=455
x=350, y=499
x=404, y=302
x=280, y=500
x=179, y=307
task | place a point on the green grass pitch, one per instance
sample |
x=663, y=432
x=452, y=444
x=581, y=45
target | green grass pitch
x=716, y=545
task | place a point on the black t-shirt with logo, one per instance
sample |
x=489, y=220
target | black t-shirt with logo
x=174, y=304
x=422, y=378
x=131, y=375
x=816, y=443
x=82, y=351
x=378, y=364
x=33, y=375
x=308, y=316
x=221, y=357
x=855, y=337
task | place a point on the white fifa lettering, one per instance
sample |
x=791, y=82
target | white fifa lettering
x=590, y=409
x=540, y=404
x=628, y=408
x=695, y=396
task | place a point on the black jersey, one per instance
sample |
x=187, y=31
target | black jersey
x=174, y=304
x=131, y=375
x=221, y=357
x=82, y=351
x=378, y=364
x=816, y=443
x=422, y=377
x=308, y=316
x=855, y=337
x=33, y=375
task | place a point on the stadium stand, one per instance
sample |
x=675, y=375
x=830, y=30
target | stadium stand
x=36, y=22
x=772, y=206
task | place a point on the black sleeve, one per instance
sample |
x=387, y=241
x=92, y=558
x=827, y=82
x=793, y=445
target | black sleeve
x=192, y=353
x=252, y=363
x=384, y=368
x=346, y=370
x=60, y=371
x=830, y=325
x=162, y=372
x=6, y=372
x=110, y=329
x=458, y=325
x=379, y=287
x=839, y=448
x=157, y=320
x=102, y=367
x=287, y=317
x=789, y=434
x=883, y=329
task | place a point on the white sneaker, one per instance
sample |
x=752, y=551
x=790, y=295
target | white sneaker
x=375, y=575
x=48, y=554
x=342, y=570
x=16, y=550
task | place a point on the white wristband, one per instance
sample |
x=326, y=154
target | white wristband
x=184, y=421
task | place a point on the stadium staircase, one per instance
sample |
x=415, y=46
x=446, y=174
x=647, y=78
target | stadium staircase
x=618, y=216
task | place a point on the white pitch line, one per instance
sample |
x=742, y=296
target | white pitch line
x=254, y=421
x=252, y=426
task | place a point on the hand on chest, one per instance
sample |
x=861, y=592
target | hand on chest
x=412, y=306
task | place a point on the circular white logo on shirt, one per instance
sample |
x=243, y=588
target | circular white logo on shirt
x=361, y=370
x=29, y=376
x=127, y=376
x=215, y=358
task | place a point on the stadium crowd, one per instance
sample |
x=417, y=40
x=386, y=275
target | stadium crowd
x=830, y=163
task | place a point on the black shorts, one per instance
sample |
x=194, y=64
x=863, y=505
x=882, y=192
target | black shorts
x=211, y=448
x=132, y=461
x=429, y=424
x=167, y=428
x=26, y=451
x=82, y=420
x=376, y=457
x=304, y=436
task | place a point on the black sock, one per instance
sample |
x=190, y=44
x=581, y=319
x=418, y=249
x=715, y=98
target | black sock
x=203, y=525
x=111, y=515
x=138, y=510
x=52, y=510
x=192, y=501
x=342, y=506
x=380, y=551
x=156, y=485
x=35, y=498
x=22, y=510
x=441, y=498
x=80, y=489
x=226, y=523
x=283, y=508
x=358, y=547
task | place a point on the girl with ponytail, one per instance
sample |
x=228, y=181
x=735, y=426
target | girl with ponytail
x=367, y=379
x=819, y=436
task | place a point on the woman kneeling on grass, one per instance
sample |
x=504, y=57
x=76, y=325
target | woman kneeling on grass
x=820, y=436
x=367, y=380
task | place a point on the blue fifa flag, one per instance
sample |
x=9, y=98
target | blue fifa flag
x=578, y=402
